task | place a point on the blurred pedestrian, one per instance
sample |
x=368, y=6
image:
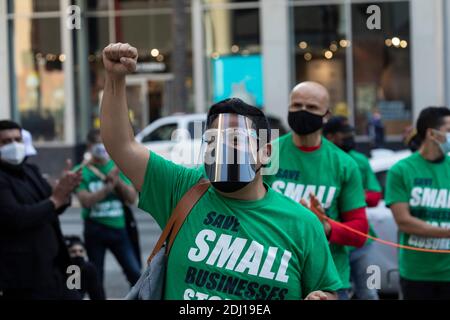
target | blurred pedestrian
x=418, y=193
x=339, y=131
x=218, y=252
x=90, y=282
x=103, y=192
x=33, y=256
x=310, y=165
x=376, y=129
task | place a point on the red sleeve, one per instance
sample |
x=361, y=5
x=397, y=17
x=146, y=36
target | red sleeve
x=372, y=198
x=355, y=219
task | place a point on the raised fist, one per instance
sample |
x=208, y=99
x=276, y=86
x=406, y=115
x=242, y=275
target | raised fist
x=120, y=59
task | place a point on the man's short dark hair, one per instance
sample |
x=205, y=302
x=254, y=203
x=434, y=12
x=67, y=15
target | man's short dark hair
x=9, y=125
x=431, y=118
x=337, y=124
x=237, y=106
x=71, y=241
x=92, y=136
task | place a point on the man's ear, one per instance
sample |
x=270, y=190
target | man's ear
x=435, y=135
x=431, y=134
x=327, y=116
x=265, y=153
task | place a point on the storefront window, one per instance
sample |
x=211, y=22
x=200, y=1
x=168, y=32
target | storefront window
x=100, y=5
x=37, y=70
x=320, y=49
x=382, y=68
x=144, y=4
x=150, y=89
x=233, y=53
x=30, y=6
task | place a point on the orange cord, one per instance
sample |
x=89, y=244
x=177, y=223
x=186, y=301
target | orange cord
x=389, y=243
x=314, y=208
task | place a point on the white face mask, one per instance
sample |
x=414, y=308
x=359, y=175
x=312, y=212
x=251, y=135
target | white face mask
x=99, y=151
x=445, y=146
x=13, y=153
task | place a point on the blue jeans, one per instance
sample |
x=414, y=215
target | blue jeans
x=343, y=294
x=360, y=259
x=99, y=237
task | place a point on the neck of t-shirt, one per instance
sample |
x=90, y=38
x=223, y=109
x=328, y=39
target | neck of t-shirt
x=310, y=149
x=309, y=143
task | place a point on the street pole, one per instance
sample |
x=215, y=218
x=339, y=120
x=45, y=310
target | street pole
x=179, y=59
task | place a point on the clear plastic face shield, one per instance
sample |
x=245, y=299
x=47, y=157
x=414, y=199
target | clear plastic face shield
x=230, y=150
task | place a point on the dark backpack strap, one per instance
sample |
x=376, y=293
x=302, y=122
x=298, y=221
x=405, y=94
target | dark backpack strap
x=179, y=214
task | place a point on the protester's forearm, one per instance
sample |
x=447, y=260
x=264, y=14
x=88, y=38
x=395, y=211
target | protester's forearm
x=126, y=193
x=415, y=226
x=116, y=130
x=131, y=157
x=89, y=199
x=355, y=219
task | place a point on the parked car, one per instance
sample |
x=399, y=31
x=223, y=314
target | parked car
x=384, y=224
x=176, y=138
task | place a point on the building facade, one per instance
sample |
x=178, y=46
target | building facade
x=385, y=58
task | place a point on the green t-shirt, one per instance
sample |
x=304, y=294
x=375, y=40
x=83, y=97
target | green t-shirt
x=330, y=174
x=369, y=179
x=271, y=248
x=109, y=211
x=425, y=186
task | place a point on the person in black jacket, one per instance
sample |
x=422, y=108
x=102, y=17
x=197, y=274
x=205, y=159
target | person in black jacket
x=90, y=281
x=33, y=255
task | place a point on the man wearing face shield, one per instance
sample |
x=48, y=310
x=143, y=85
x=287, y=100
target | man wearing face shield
x=338, y=131
x=230, y=147
x=33, y=257
x=418, y=193
x=103, y=192
x=310, y=165
x=241, y=240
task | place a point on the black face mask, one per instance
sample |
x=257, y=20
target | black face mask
x=304, y=122
x=348, y=144
x=230, y=187
x=79, y=261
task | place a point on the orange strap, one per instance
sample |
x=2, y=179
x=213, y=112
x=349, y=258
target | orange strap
x=178, y=216
x=322, y=216
x=389, y=243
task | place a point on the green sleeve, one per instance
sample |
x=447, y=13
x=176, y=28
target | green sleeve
x=319, y=270
x=352, y=194
x=164, y=185
x=396, y=190
x=371, y=181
